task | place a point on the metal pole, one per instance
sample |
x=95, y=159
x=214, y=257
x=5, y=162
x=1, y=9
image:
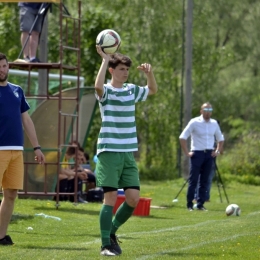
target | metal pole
x=182, y=81
x=188, y=76
x=188, y=65
x=176, y=197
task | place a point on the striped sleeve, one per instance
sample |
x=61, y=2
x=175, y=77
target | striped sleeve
x=104, y=97
x=141, y=93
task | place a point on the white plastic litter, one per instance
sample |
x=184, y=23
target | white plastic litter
x=47, y=216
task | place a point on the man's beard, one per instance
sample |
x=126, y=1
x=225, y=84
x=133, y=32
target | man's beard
x=4, y=78
x=207, y=117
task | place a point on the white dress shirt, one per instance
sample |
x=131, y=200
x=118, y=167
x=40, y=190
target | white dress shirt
x=203, y=133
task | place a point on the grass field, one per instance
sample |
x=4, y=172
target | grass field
x=170, y=232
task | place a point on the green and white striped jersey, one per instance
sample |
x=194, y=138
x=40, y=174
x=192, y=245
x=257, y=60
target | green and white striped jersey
x=117, y=108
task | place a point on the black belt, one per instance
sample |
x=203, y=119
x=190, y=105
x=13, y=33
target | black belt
x=205, y=151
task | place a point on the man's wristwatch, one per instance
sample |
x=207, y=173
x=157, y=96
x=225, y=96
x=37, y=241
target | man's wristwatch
x=217, y=152
x=37, y=148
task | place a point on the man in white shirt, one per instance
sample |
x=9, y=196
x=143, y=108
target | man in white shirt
x=203, y=131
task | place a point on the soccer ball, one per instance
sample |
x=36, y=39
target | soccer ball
x=233, y=210
x=109, y=40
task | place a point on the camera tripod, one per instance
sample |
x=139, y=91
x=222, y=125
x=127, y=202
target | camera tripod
x=219, y=185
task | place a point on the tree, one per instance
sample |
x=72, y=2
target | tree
x=225, y=65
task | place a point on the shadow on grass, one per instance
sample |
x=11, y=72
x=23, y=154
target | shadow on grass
x=17, y=217
x=192, y=255
x=91, y=212
x=75, y=210
x=56, y=248
x=155, y=217
x=208, y=206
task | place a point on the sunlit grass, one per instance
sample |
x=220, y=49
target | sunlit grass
x=170, y=232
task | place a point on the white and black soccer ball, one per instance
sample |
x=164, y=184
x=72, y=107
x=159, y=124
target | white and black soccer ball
x=233, y=210
x=109, y=40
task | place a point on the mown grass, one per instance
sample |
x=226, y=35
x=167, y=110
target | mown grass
x=168, y=233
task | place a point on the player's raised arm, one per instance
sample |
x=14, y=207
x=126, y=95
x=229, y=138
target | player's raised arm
x=100, y=79
x=151, y=82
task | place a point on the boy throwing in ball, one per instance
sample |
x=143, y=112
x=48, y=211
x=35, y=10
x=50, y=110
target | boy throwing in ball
x=116, y=167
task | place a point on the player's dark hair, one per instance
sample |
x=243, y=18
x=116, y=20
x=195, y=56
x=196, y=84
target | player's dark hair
x=3, y=57
x=118, y=58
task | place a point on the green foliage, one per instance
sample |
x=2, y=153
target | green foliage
x=225, y=64
x=10, y=31
x=242, y=161
x=246, y=179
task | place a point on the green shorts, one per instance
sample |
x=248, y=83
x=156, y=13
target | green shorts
x=117, y=170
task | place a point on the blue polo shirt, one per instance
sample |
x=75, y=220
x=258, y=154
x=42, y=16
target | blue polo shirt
x=31, y=5
x=12, y=105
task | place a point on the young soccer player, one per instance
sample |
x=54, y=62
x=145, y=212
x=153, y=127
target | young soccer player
x=116, y=167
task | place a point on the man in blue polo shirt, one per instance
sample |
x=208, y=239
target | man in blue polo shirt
x=13, y=118
x=28, y=14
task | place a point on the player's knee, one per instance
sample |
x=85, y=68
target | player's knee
x=132, y=201
x=10, y=195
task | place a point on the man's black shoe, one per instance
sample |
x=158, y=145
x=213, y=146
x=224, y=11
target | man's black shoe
x=6, y=241
x=202, y=208
x=114, y=243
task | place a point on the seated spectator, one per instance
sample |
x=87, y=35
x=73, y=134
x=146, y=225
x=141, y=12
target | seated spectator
x=90, y=180
x=67, y=175
x=85, y=160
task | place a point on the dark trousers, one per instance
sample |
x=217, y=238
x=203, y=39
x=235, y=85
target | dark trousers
x=211, y=176
x=63, y=189
x=200, y=167
x=71, y=188
x=68, y=186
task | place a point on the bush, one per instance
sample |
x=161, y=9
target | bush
x=155, y=173
x=244, y=179
x=242, y=163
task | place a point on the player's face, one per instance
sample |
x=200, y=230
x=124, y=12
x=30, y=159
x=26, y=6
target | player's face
x=120, y=73
x=206, y=111
x=3, y=70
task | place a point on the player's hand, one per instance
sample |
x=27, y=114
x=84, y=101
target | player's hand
x=39, y=157
x=145, y=67
x=101, y=53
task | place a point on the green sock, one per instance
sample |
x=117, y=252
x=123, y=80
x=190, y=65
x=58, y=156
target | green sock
x=105, y=220
x=123, y=213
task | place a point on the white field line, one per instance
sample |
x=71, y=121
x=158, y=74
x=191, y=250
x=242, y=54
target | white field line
x=205, y=223
x=253, y=213
x=151, y=256
x=156, y=231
